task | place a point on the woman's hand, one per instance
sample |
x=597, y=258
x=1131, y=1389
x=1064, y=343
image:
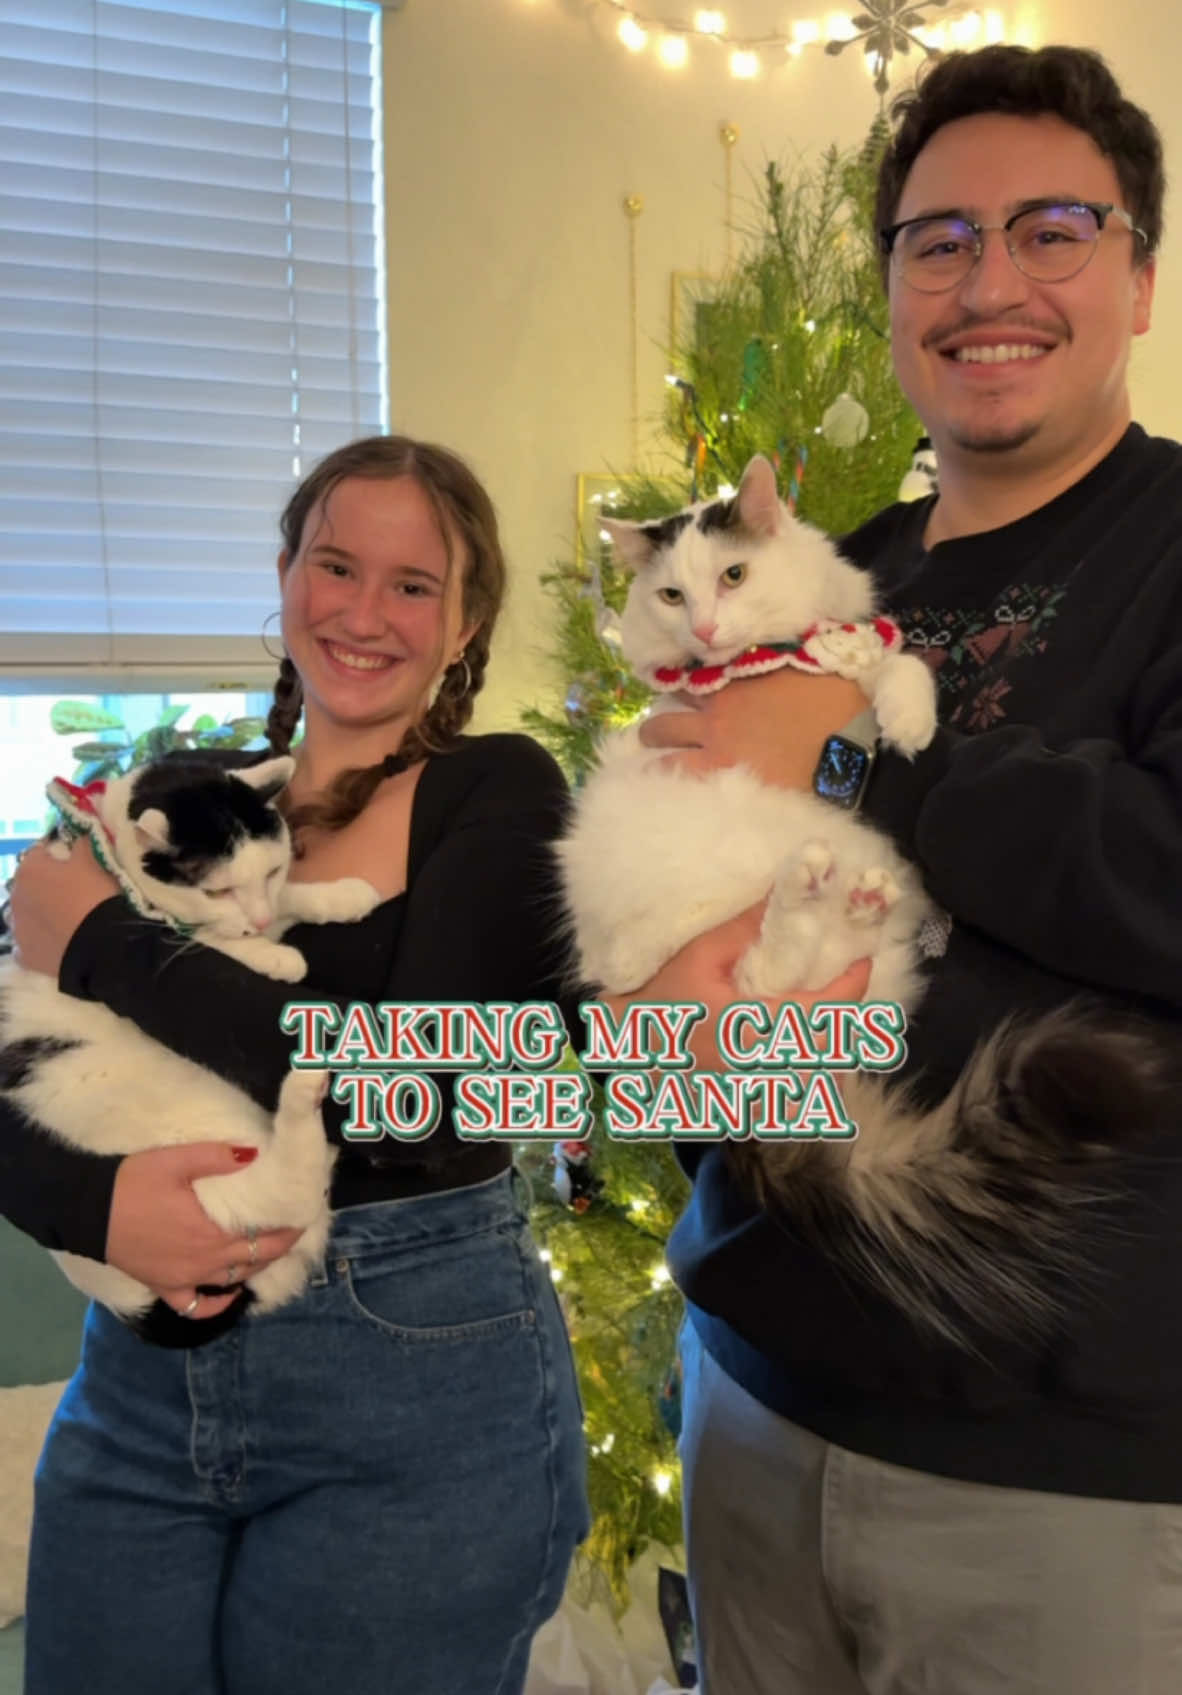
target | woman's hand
x=160, y=1234
x=703, y=971
x=49, y=898
x=776, y=725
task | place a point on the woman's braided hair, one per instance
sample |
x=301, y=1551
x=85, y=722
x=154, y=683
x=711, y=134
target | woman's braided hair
x=464, y=512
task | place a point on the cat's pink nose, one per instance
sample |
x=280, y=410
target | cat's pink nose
x=705, y=632
x=260, y=923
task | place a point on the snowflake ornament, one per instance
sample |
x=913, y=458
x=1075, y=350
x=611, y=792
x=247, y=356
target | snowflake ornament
x=885, y=28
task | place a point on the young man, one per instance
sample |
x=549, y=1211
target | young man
x=869, y=1509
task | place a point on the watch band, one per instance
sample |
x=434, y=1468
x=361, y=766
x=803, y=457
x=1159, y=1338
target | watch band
x=863, y=729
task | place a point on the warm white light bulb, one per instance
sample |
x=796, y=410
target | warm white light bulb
x=635, y=38
x=660, y=1276
x=965, y=31
x=673, y=50
x=709, y=23
x=840, y=27
x=662, y=1480
x=744, y=63
x=806, y=31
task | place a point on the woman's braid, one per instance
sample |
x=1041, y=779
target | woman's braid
x=286, y=708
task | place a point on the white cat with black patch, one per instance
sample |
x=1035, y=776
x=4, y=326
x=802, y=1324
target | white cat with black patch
x=967, y=1207
x=205, y=846
x=710, y=584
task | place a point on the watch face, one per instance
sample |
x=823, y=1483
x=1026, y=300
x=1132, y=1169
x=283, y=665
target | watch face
x=842, y=771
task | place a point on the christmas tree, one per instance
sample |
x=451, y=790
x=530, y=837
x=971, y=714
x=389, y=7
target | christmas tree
x=789, y=357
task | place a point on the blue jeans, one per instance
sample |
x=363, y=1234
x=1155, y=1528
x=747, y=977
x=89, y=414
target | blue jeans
x=377, y=1488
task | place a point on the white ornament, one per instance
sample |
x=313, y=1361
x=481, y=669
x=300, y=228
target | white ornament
x=846, y=422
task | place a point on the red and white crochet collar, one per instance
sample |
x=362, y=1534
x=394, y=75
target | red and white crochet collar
x=849, y=650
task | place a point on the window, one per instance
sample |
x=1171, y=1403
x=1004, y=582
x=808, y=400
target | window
x=31, y=750
x=191, y=312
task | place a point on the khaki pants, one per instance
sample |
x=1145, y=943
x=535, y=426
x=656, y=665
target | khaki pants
x=816, y=1571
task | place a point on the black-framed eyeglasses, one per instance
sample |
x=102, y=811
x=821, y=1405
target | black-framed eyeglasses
x=1048, y=243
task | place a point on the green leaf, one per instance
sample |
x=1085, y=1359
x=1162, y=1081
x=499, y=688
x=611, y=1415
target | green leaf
x=99, y=750
x=205, y=722
x=95, y=769
x=72, y=717
x=162, y=739
x=171, y=715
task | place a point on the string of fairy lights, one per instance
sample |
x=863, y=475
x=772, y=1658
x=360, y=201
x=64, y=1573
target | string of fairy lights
x=879, y=29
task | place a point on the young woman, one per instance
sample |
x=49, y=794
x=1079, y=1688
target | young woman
x=380, y=1486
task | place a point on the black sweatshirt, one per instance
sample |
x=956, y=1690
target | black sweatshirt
x=478, y=922
x=1047, y=821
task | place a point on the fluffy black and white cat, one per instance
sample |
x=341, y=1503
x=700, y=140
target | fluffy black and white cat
x=962, y=1209
x=204, y=846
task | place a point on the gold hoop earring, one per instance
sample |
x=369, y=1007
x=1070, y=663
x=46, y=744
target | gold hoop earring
x=462, y=659
x=282, y=654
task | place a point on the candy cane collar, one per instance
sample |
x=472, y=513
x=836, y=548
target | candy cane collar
x=811, y=652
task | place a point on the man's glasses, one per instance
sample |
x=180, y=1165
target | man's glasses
x=1047, y=243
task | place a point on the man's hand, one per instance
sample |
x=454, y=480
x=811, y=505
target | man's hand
x=775, y=724
x=703, y=971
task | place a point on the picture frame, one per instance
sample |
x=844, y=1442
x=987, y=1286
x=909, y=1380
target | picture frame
x=597, y=491
x=691, y=294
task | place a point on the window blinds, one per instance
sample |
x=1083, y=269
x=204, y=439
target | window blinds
x=191, y=313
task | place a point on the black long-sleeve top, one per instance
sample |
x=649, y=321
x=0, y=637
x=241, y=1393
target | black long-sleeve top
x=478, y=922
x=1046, y=818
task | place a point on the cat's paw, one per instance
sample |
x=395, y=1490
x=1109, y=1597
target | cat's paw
x=904, y=700
x=871, y=897
x=286, y=965
x=809, y=874
x=303, y=1090
x=908, y=728
x=351, y=898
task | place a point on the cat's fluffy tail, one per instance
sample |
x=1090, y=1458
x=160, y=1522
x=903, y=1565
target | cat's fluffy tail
x=970, y=1216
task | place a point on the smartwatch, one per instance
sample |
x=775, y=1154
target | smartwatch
x=846, y=760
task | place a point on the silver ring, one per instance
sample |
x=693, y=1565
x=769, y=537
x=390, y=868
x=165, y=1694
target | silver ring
x=187, y=1312
x=252, y=1238
x=232, y=1274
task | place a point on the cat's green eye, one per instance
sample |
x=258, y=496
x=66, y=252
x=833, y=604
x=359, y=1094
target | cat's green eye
x=671, y=597
x=734, y=574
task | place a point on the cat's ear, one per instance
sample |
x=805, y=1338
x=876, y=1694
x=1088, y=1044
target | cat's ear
x=151, y=830
x=270, y=778
x=758, y=499
x=633, y=547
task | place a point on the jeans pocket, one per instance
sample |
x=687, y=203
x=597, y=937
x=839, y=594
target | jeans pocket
x=462, y=1290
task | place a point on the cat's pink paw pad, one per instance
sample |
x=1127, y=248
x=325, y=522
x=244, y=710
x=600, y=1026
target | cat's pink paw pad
x=872, y=897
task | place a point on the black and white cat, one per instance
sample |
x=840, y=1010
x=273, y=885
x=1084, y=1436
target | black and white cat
x=206, y=847
x=697, y=853
x=968, y=1206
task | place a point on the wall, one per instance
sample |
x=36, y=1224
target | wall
x=514, y=130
